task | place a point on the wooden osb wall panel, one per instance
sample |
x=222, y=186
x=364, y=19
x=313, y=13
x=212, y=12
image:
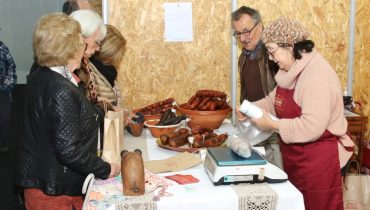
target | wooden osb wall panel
x=327, y=21
x=96, y=5
x=362, y=57
x=153, y=69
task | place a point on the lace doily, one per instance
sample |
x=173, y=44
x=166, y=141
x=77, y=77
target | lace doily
x=256, y=196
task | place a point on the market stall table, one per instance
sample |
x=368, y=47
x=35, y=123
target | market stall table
x=201, y=195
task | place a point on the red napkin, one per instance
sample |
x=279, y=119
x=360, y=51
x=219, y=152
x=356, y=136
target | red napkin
x=183, y=179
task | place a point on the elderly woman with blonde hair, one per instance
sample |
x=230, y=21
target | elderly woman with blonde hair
x=58, y=142
x=107, y=61
x=312, y=127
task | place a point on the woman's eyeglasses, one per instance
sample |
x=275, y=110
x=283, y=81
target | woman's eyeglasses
x=98, y=43
x=272, y=51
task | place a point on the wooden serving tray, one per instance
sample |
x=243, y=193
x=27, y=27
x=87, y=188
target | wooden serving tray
x=184, y=148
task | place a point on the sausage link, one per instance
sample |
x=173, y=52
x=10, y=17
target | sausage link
x=178, y=141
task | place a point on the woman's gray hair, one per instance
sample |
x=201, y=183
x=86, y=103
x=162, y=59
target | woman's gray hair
x=90, y=21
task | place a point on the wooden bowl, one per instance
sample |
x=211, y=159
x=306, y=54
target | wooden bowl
x=135, y=129
x=158, y=130
x=205, y=119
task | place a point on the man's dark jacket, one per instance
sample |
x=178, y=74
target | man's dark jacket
x=267, y=69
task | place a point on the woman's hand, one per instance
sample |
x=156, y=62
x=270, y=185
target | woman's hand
x=114, y=170
x=128, y=115
x=265, y=122
x=240, y=116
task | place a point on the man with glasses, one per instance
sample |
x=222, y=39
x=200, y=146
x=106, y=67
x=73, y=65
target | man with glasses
x=256, y=70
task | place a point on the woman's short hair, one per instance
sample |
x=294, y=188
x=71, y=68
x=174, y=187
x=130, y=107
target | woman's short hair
x=56, y=39
x=90, y=22
x=305, y=46
x=112, y=48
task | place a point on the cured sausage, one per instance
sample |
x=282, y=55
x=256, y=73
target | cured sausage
x=209, y=135
x=195, y=141
x=191, y=99
x=182, y=130
x=195, y=103
x=215, y=140
x=212, y=105
x=158, y=107
x=164, y=138
x=211, y=142
x=200, y=130
x=212, y=93
x=222, y=138
x=178, y=140
x=198, y=144
x=207, y=100
x=204, y=102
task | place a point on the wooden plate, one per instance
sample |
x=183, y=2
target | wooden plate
x=184, y=148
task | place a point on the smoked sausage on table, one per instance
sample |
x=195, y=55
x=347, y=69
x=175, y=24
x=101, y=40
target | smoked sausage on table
x=178, y=140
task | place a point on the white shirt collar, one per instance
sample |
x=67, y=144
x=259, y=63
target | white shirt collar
x=65, y=73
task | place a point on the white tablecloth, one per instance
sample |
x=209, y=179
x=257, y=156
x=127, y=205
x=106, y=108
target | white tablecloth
x=204, y=195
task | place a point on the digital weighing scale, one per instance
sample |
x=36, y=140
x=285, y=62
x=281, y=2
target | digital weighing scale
x=223, y=166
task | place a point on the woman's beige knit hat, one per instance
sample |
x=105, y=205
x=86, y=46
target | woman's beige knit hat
x=284, y=31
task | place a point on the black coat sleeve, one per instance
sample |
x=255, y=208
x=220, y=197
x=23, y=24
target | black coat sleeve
x=76, y=136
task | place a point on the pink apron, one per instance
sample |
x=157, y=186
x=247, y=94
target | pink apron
x=312, y=167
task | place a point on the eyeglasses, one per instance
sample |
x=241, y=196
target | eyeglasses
x=83, y=46
x=271, y=52
x=245, y=32
x=97, y=43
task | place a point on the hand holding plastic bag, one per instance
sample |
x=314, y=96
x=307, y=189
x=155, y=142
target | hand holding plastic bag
x=247, y=130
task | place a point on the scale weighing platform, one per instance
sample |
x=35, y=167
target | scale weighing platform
x=223, y=166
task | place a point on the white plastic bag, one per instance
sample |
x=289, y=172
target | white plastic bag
x=249, y=131
x=252, y=134
x=240, y=146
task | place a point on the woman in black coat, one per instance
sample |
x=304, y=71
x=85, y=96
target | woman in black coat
x=59, y=132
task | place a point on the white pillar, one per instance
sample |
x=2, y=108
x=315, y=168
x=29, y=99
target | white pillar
x=234, y=67
x=105, y=11
x=351, y=46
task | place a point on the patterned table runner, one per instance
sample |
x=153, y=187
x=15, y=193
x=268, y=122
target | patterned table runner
x=256, y=196
x=105, y=193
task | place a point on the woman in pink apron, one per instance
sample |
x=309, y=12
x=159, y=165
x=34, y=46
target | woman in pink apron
x=308, y=101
